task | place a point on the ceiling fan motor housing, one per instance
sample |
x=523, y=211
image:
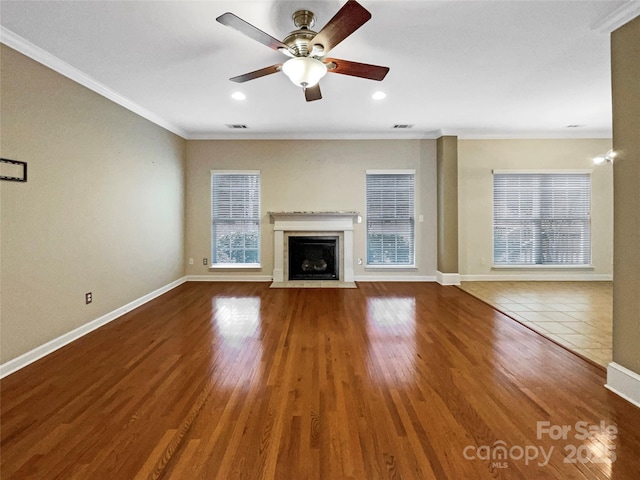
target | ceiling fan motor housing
x=299, y=40
x=303, y=19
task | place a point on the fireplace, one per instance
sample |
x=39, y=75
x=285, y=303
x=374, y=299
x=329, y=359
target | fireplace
x=313, y=224
x=313, y=258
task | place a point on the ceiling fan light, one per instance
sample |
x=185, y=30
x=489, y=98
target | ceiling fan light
x=304, y=71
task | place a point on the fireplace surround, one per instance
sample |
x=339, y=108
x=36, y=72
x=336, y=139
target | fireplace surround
x=313, y=224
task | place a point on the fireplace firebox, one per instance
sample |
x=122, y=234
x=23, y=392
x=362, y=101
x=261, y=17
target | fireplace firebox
x=313, y=258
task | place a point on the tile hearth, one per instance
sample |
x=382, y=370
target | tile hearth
x=313, y=284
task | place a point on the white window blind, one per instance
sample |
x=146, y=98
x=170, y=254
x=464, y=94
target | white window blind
x=541, y=218
x=390, y=218
x=235, y=218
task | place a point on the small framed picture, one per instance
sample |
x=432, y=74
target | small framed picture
x=13, y=170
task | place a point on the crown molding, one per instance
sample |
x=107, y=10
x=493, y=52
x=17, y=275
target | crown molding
x=45, y=58
x=427, y=135
x=587, y=134
x=244, y=135
x=36, y=53
x=620, y=16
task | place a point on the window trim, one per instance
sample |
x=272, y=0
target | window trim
x=234, y=266
x=393, y=266
x=585, y=266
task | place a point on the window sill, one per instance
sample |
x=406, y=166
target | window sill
x=542, y=267
x=234, y=266
x=390, y=267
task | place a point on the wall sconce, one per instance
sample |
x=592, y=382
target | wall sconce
x=606, y=158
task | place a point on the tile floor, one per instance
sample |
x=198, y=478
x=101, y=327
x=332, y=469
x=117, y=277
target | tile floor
x=577, y=315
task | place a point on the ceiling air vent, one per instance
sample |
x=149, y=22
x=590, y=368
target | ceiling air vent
x=402, y=125
x=236, y=125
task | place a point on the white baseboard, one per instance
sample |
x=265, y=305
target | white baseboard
x=51, y=346
x=546, y=277
x=269, y=278
x=394, y=278
x=229, y=278
x=624, y=382
x=448, y=278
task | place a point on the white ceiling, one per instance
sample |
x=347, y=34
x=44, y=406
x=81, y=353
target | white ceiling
x=467, y=68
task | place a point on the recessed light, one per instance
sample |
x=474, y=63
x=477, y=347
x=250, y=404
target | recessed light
x=378, y=95
x=238, y=96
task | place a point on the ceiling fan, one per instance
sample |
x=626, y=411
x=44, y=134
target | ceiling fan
x=307, y=48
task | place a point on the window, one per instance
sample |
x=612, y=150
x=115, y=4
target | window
x=390, y=218
x=235, y=218
x=541, y=218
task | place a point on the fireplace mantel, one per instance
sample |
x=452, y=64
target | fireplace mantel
x=315, y=216
x=339, y=222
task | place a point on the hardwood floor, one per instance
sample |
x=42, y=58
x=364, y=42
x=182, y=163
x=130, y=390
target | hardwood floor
x=390, y=380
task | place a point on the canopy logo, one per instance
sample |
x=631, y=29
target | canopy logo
x=498, y=454
x=593, y=444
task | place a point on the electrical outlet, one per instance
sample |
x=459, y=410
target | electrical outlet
x=190, y=261
x=88, y=298
x=205, y=261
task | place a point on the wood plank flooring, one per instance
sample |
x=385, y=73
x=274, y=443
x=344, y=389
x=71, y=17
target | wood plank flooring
x=387, y=381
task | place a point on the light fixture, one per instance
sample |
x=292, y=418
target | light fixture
x=378, y=95
x=304, y=71
x=606, y=158
x=238, y=96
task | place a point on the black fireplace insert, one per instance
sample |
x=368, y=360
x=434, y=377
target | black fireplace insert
x=313, y=258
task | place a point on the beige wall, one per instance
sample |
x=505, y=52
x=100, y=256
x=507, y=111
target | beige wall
x=448, y=204
x=306, y=175
x=625, y=61
x=477, y=159
x=102, y=210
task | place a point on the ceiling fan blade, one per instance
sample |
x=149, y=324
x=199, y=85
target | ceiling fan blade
x=355, y=69
x=349, y=18
x=257, y=74
x=233, y=21
x=312, y=93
